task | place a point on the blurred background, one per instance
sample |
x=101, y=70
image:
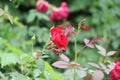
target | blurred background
x=103, y=16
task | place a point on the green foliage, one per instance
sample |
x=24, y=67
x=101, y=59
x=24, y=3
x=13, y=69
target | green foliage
x=33, y=14
x=18, y=76
x=41, y=65
x=13, y=49
x=41, y=33
x=50, y=70
x=9, y=58
x=78, y=5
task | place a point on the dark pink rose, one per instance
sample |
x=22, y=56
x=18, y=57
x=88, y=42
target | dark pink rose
x=60, y=13
x=115, y=73
x=42, y=6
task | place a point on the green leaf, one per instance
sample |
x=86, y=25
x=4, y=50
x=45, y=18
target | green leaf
x=9, y=58
x=1, y=12
x=2, y=76
x=10, y=18
x=50, y=70
x=33, y=14
x=39, y=79
x=48, y=76
x=42, y=76
x=42, y=16
x=25, y=58
x=2, y=41
x=115, y=44
x=81, y=73
x=39, y=32
x=36, y=72
x=97, y=75
x=31, y=17
x=76, y=5
x=33, y=30
x=14, y=49
x=18, y=76
x=45, y=32
x=41, y=65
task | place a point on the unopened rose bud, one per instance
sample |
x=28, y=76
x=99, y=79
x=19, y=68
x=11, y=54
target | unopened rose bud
x=83, y=20
x=49, y=47
x=57, y=51
x=33, y=37
x=85, y=27
x=36, y=55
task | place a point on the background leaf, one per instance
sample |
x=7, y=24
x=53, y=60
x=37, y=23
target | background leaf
x=110, y=53
x=14, y=49
x=98, y=75
x=94, y=65
x=65, y=58
x=9, y=58
x=102, y=51
x=50, y=70
x=18, y=76
x=41, y=65
x=60, y=64
x=1, y=12
x=81, y=73
x=10, y=18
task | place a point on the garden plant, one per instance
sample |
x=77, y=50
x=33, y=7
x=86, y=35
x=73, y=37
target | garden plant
x=59, y=40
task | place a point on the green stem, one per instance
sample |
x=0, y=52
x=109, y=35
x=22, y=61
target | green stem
x=81, y=49
x=75, y=50
x=74, y=74
x=32, y=47
x=79, y=28
x=75, y=41
x=104, y=59
x=28, y=72
x=32, y=40
x=45, y=45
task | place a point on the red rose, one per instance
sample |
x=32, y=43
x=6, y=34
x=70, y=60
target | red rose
x=115, y=73
x=59, y=39
x=42, y=6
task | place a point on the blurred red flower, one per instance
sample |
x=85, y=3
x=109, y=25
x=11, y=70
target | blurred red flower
x=59, y=39
x=115, y=73
x=42, y=6
x=60, y=13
